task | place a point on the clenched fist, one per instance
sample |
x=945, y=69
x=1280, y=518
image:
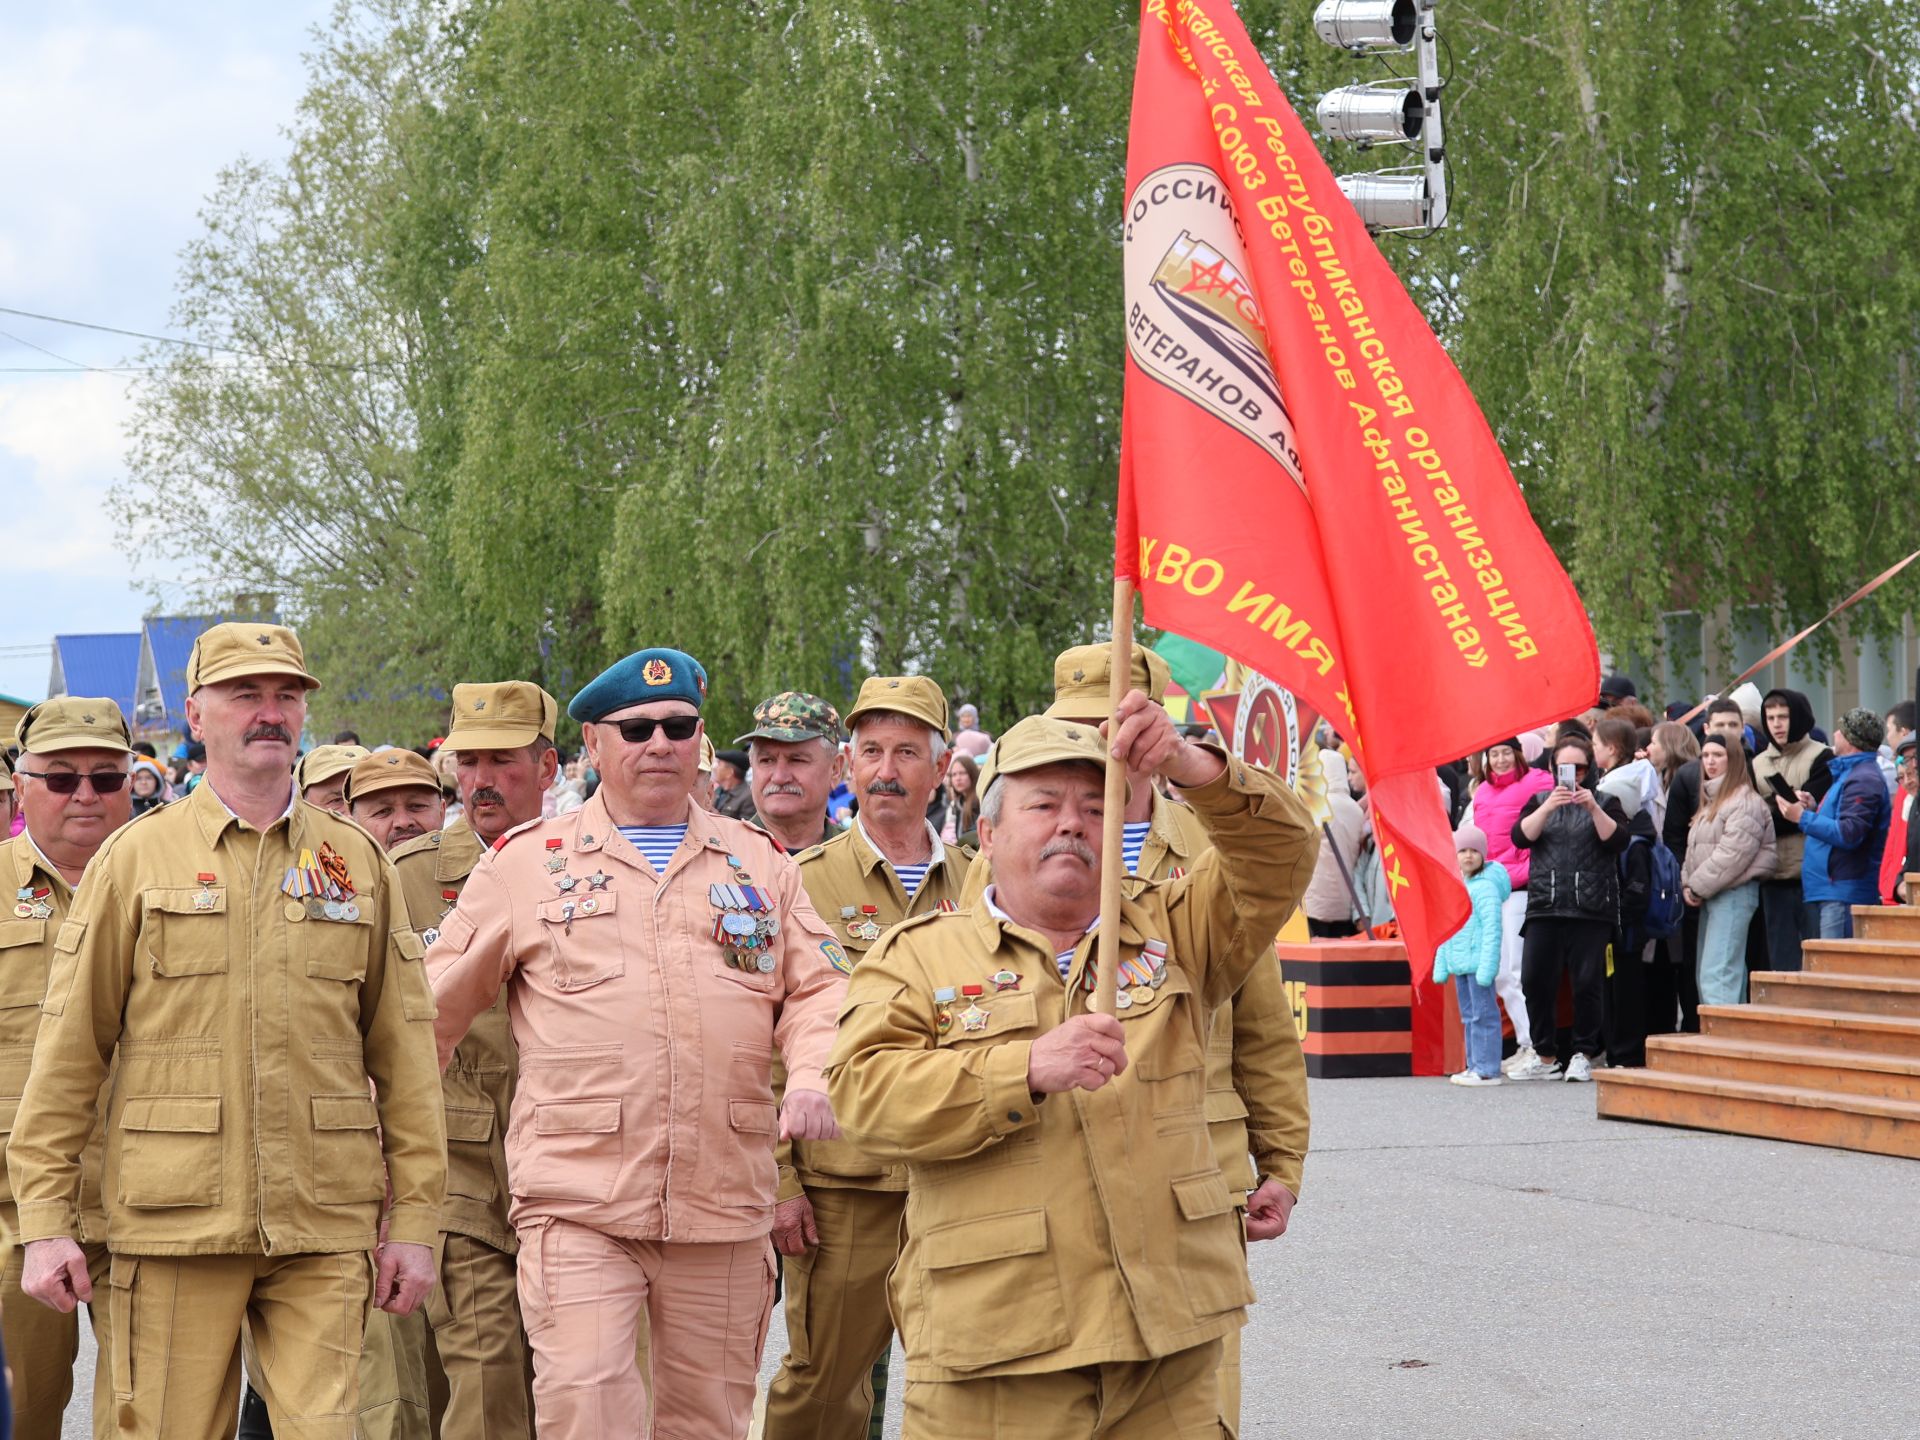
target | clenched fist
x=1083, y=1054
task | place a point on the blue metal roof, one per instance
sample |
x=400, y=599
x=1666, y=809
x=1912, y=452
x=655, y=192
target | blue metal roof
x=169, y=645
x=100, y=665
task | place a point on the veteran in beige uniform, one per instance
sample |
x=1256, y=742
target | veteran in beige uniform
x=1073, y=1255
x=653, y=955
x=838, y=1220
x=502, y=738
x=1256, y=1074
x=74, y=788
x=253, y=963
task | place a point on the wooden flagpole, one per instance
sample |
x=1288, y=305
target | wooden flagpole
x=1113, y=861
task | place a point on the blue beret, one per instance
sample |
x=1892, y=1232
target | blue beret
x=644, y=675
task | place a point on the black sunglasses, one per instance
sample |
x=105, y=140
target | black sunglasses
x=639, y=731
x=67, y=782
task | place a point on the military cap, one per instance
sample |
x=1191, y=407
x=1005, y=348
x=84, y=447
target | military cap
x=391, y=770
x=73, y=722
x=238, y=648
x=502, y=716
x=1082, y=675
x=1042, y=740
x=793, y=715
x=323, y=762
x=644, y=676
x=706, y=754
x=911, y=695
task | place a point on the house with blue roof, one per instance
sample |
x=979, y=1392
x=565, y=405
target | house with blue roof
x=166, y=644
x=106, y=665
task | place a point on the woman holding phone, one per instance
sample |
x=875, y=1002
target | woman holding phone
x=1573, y=903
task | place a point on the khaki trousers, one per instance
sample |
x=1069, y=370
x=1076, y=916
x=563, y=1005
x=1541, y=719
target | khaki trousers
x=1230, y=1385
x=838, y=1323
x=42, y=1345
x=393, y=1379
x=583, y=1293
x=482, y=1351
x=176, y=1323
x=1173, y=1398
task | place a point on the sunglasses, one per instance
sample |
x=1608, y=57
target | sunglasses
x=679, y=728
x=67, y=782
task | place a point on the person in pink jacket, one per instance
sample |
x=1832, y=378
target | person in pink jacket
x=1510, y=783
x=653, y=954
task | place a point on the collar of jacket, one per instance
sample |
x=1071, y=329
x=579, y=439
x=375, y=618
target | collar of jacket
x=594, y=829
x=210, y=812
x=1164, y=830
x=28, y=861
x=870, y=857
x=459, y=851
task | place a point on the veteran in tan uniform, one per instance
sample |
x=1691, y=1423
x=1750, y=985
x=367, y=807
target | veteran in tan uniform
x=502, y=739
x=322, y=775
x=251, y=959
x=395, y=796
x=1073, y=1255
x=74, y=788
x=838, y=1220
x=1256, y=1074
x=653, y=955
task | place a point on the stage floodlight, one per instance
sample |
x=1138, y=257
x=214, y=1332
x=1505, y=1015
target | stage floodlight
x=1389, y=201
x=1373, y=113
x=1365, y=24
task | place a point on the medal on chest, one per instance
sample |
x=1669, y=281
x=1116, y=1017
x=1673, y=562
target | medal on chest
x=865, y=926
x=744, y=924
x=322, y=883
x=31, y=903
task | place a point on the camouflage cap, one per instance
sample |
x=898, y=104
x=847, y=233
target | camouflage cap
x=1081, y=677
x=323, y=762
x=72, y=722
x=792, y=716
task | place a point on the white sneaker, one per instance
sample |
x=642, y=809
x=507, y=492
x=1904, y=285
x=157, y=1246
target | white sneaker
x=1535, y=1069
x=1468, y=1077
x=1519, y=1058
x=1579, y=1068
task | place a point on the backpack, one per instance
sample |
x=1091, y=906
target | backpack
x=1665, y=907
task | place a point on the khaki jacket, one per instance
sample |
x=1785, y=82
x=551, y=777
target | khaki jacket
x=1086, y=1227
x=1255, y=1068
x=26, y=958
x=477, y=1088
x=241, y=1121
x=644, y=1105
x=842, y=875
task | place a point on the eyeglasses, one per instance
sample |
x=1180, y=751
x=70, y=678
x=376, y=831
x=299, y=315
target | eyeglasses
x=67, y=782
x=679, y=728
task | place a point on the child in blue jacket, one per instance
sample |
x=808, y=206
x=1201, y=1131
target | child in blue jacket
x=1472, y=958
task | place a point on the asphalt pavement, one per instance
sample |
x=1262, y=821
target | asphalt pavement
x=1485, y=1264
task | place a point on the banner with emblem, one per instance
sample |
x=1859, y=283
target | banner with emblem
x=1306, y=483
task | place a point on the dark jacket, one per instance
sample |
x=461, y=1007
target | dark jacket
x=1847, y=834
x=1574, y=875
x=1636, y=881
x=1683, y=800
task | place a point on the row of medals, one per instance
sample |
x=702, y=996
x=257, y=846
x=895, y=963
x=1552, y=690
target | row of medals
x=973, y=1017
x=744, y=925
x=1145, y=974
x=32, y=904
x=320, y=884
x=572, y=904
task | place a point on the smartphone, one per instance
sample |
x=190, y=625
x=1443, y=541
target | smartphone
x=1783, y=789
x=1568, y=780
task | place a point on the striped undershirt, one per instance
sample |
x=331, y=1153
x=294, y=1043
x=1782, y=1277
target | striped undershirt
x=911, y=875
x=656, y=842
x=1133, y=839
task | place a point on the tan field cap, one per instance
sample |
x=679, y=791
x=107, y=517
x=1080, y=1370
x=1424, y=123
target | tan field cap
x=73, y=722
x=323, y=762
x=500, y=716
x=706, y=755
x=230, y=651
x=913, y=695
x=1042, y=740
x=391, y=770
x=1081, y=677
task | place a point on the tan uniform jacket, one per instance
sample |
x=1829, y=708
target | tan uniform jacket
x=844, y=874
x=1256, y=1073
x=26, y=958
x=644, y=1106
x=477, y=1088
x=1085, y=1227
x=241, y=1121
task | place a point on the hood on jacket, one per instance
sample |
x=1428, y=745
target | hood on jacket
x=1747, y=697
x=1799, y=717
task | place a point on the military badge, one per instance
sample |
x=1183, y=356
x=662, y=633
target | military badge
x=836, y=957
x=656, y=672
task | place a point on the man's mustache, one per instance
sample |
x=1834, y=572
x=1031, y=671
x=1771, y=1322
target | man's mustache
x=1067, y=845
x=487, y=795
x=269, y=732
x=788, y=788
x=887, y=787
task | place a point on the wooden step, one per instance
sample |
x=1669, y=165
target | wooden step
x=1805, y=1067
x=1887, y=922
x=1869, y=995
x=1892, y=959
x=1773, y=1112
x=1818, y=1029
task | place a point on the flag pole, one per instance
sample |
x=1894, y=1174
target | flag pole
x=1113, y=862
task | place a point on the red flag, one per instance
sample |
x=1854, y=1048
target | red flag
x=1306, y=482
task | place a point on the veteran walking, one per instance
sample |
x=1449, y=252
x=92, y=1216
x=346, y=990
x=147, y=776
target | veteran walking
x=653, y=955
x=251, y=959
x=1073, y=1254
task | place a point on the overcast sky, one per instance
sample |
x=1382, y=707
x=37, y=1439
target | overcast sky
x=114, y=120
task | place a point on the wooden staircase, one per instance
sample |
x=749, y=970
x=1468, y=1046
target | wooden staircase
x=1826, y=1056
